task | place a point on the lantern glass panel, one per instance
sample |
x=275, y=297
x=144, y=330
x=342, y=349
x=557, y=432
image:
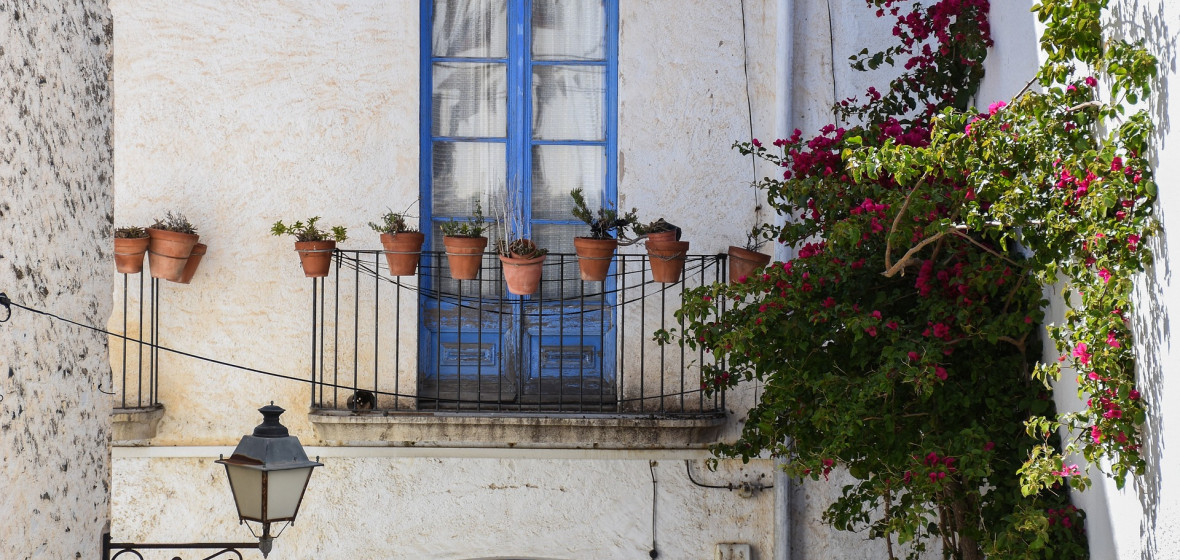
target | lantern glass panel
x=285, y=491
x=247, y=486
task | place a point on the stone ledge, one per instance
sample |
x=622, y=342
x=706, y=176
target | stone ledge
x=135, y=426
x=554, y=431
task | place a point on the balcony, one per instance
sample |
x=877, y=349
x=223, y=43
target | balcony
x=427, y=358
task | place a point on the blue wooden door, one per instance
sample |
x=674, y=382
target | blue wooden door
x=517, y=100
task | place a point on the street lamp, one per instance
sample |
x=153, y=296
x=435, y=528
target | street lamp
x=268, y=473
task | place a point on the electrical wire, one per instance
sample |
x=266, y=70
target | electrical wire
x=728, y=486
x=654, y=552
x=314, y=383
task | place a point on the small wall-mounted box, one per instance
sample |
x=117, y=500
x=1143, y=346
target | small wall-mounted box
x=732, y=551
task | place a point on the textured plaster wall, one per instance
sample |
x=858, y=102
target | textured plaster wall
x=55, y=255
x=461, y=508
x=239, y=114
x=243, y=112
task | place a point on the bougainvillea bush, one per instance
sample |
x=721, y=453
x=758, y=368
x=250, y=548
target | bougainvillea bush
x=902, y=341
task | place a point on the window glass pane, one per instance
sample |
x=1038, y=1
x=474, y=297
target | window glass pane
x=557, y=170
x=470, y=100
x=569, y=102
x=462, y=171
x=470, y=28
x=560, y=277
x=569, y=30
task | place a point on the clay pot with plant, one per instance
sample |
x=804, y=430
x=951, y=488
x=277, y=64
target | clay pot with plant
x=314, y=245
x=131, y=244
x=465, y=243
x=521, y=258
x=171, y=241
x=402, y=243
x=743, y=261
x=522, y=261
x=666, y=253
x=596, y=252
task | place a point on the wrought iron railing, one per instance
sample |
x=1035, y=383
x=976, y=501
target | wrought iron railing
x=427, y=342
x=136, y=342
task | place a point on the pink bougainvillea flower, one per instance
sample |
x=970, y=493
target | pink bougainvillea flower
x=1090, y=81
x=1112, y=340
x=1081, y=354
x=1096, y=434
x=995, y=107
x=940, y=372
x=989, y=446
x=1134, y=395
x=1132, y=242
x=871, y=330
x=876, y=314
x=1104, y=274
x=914, y=356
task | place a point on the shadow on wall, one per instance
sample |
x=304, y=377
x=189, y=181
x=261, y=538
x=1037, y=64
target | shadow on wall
x=1141, y=21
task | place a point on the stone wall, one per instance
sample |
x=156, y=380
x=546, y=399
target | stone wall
x=55, y=223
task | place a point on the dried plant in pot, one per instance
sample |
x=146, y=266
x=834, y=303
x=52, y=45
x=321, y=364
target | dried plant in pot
x=522, y=261
x=743, y=261
x=171, y=241
x=465, y=243
x=596, y=252
x=131, y=244
x=402, y=243
x=521, y=258
x=666, y=253
x=314, y=245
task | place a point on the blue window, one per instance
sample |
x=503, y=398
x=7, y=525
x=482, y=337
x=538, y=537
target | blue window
x=518, y=100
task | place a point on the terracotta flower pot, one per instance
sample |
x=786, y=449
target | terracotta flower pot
x=129, y=254
x=661, y=236
x=667, y=260
x=402, y=251
x=743, y=262
x=194, y=260
x=522, y=275
x=464, y=256
x=594, y=257
x=316, y=257
x=168, y=252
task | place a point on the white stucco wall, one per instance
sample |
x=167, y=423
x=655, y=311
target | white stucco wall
x=55, y=256
x=241, y=113
x=1142, y=520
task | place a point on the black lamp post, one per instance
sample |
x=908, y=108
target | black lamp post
x=268, y=473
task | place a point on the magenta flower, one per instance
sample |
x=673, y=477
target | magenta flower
x=1104, y=274
x=940, y=372
x=1090, y=81
x=1112, y=340
x=1081, y=354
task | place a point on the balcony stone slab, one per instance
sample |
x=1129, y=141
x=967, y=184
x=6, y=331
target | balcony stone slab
x=135, y=426
x=547, y=431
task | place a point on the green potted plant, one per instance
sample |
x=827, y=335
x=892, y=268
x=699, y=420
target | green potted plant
x=743, y=261
x=596, y=252
x=465, y=243
x=131, y=243
x=402, y=243
x=314, y=245
x=520, y=256
x=665, y=251
x=171, y=241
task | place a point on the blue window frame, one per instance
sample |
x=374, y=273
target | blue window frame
x=518, y=98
